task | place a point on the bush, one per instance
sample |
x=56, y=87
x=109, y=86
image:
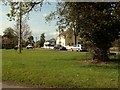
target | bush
x=8, y=46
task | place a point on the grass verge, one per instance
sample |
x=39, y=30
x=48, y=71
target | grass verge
x=61, y=69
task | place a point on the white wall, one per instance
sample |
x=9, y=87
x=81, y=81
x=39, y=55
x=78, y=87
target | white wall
x=60, y=40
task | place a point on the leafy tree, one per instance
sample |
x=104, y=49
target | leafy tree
x=66, y=18
x=97, y=23
x=26, y=7
x=9, y=33
x=101, y=27
x=42, y=39
x=30, y=40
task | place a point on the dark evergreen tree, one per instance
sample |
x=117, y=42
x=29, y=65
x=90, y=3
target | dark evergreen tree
x=42, y=39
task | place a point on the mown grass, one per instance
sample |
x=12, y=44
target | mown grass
x=49, y=68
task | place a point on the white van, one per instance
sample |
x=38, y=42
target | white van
x=77, y=47
x=48, y=45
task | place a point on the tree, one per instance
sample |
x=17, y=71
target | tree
x=10, y=39
x=25, y=32
x=103, y=30
x=30, y=40
x=26, y=7
x=22, y=34
x=42, y=39
x=9, y=32
x=66, y=18
x=98, y=23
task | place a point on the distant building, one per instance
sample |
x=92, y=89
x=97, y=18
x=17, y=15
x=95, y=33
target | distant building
x=7, y=42
x=67, y=38
x=49, y=43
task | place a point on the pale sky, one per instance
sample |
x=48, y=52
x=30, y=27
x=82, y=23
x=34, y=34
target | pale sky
x=37, y=22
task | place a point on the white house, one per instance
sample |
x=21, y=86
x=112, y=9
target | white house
x=60, y=40
x=49, y=44
x=67, y=38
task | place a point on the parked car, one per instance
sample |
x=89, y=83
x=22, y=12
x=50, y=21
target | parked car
x=59, y=47
x=29, y=46
x=16, y=47
x=62, y=48
x=78, y=47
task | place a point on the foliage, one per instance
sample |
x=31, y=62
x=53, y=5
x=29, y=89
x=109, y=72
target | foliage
x=42, y=39
x=97, y=23
x=9, y=34
x=30, y=40
x=104, y=30
x=66, y=18
x=26, y=7
x=116, y=43
x=42, y=68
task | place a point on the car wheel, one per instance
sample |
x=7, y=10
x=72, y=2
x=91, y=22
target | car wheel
x=71, y=49
x=79, y=50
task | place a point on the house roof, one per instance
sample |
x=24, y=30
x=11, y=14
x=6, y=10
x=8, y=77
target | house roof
x=64, y=33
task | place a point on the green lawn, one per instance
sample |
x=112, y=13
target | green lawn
x=49, y=68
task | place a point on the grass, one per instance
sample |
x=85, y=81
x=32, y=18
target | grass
x=49, y=68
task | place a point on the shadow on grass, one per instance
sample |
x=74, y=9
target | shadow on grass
x=113, y=63
x=114, y=60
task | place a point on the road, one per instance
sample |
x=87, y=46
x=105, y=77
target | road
x=3, y=85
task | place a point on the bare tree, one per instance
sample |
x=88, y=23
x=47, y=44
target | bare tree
x=25, y=32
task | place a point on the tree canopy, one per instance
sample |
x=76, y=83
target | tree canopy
x=10, y=34
x=26, y=7
x=97, y=22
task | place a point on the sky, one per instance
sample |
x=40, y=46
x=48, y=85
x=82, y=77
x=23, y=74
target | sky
x=36, y=21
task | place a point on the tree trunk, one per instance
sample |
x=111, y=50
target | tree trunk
x=100, y=55
x=75, y=39
x=20, y=46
